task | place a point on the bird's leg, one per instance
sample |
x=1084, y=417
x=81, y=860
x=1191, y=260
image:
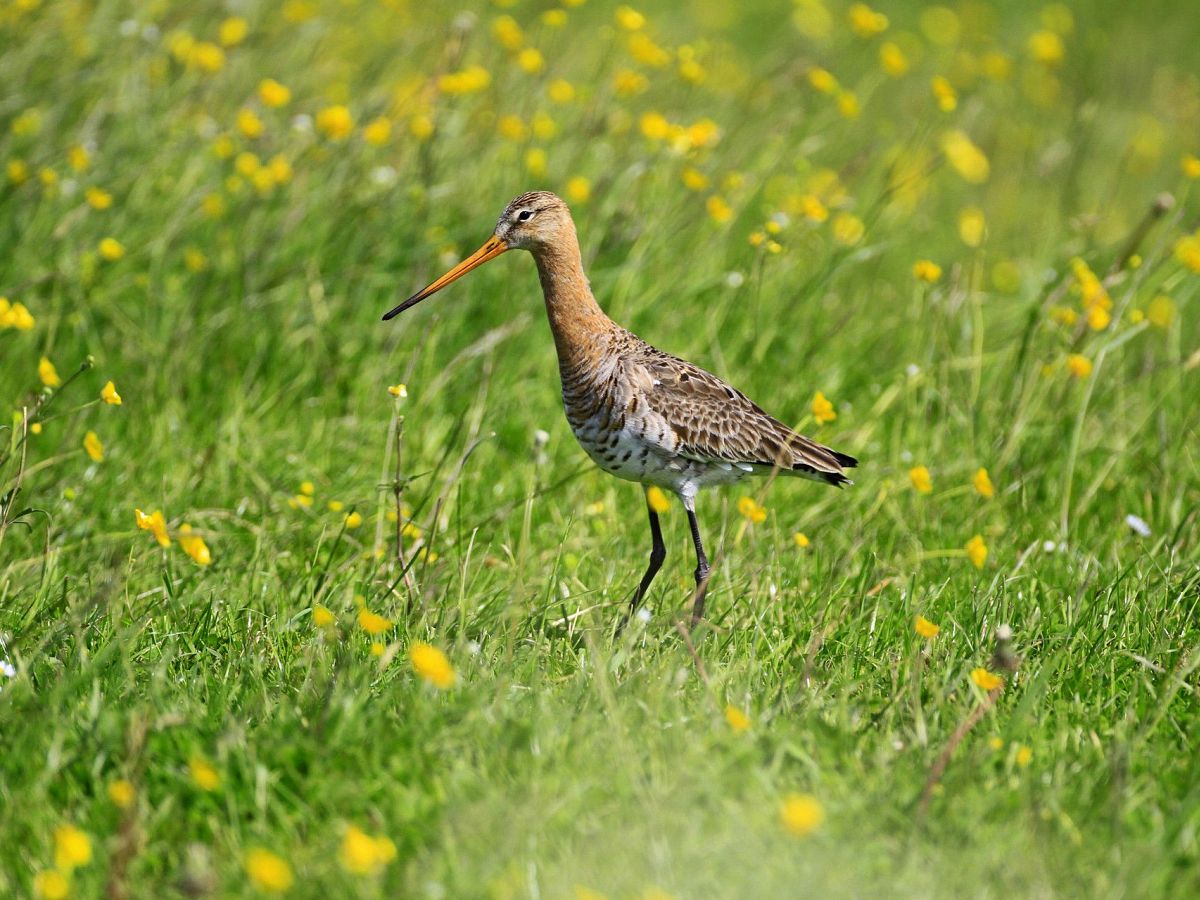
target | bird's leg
x=658, y=552
x=702, y=568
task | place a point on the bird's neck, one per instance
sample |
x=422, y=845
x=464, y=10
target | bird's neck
x=576, y=319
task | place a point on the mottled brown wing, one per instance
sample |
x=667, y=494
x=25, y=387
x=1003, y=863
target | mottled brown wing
x=715, y=422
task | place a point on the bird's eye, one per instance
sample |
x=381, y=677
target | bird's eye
x=526, y=215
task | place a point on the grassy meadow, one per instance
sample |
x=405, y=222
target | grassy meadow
x=296, y=601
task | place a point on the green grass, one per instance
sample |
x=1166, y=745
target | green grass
x=567, y=759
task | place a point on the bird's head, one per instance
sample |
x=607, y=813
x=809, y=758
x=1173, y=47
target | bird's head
x=530, y=222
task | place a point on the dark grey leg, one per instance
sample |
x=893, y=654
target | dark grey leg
x=658, y=552
x=702, y=568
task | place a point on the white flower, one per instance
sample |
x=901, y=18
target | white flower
x=128, y=28
x=912, y=370
x=541, y=438
x=384, y=176
x=1137, y=525
x=643, y=615
x=1049, y=546
x=7, y=669
x=734, y=279
x=302, y=123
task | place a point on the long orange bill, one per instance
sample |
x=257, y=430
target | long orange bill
x=493, y=248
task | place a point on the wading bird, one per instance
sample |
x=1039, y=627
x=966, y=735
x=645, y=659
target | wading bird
x=639, y=413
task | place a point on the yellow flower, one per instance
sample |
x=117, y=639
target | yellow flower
x=508, y=33
x=420, y=127
x=629, y=18
x=737, y=719
x=28, y=122
x=307, y=488
x=657, y=500
x=213, y=206
x=193, y=545
x=35, y=428
x=98, y=198
x=628, y=83
x=15, y=315
x=111, y=249
x=362, y=854
x=268, y=871
x=847, y=103
x=554, y=18
x=801, y=814
x=1046, y=47
x=848, y=229
x=1187, y=251
x=398, y=390
x=51, y=884
x=1190, y=165
x=354, y=520
x=512, y=128
x=377, y=131
x=655, y=126
x=996, y=742
x=544, y=126
x=750, y=508
x=893, y=60
x=579, y=189
x=95, y=449
x=921, y=479
x=1079, y=365
x=977, y=551
x=378, y=648
x=1161, y=311
x=536, y=161
x=109, y=394
x=560, y=91
x=335, y=505
x=966, y=159
x=18, y=171
x=202, y=773
x=468, y=81
x=925, y=628
x=927, y=270
x=373, y=622
x=155, y=523
x=801, y=539
x=48, y=373
x=983, y=484
x=822, y=409
x=694, y=179
x=944, y=94
x=335, y=122
x=323, y=617
x=531, y=60
x=431, y=664
x=972, y=226
x=648, y=53
x=232, y=31
x=273, y=94
x=985, y=680
x=207, y=57
x=248, y=123
x=822, y=80
x=122, y=793
x=1024, y=756
x=280, y=168
x=72, y=848
x=718, y=209
x=812, y=208
x=78, y=158
x=865, y=22
x=1098, y=318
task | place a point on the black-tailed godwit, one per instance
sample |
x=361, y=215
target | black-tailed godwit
x=639, y=413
